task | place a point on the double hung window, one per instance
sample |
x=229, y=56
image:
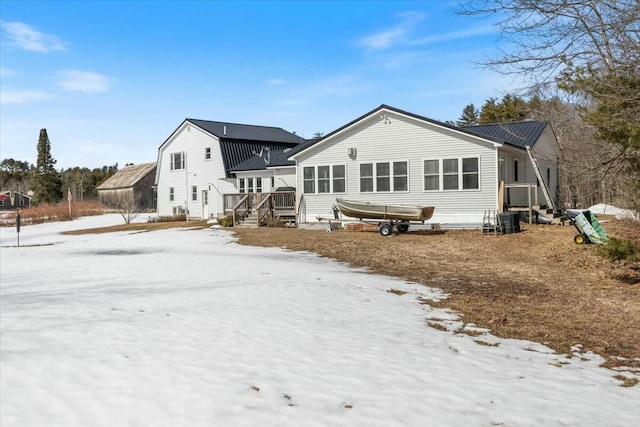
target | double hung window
x=177, y=160
x=384, y=177
x=451, y=174
x=324, y=179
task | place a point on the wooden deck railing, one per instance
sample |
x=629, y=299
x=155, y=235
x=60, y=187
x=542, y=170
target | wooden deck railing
x=279, y=203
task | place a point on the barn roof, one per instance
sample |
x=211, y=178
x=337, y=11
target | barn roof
x=128, y=176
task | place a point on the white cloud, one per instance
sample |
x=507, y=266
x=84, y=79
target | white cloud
x=455, y=35
x=24, y=37
x=83, y=81
x=22, y=96
x=397, y=34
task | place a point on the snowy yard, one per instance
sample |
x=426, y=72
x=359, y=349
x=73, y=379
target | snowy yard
x=186, y=328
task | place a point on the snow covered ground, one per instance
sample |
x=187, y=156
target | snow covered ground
x=603, y=208
x=187, y=328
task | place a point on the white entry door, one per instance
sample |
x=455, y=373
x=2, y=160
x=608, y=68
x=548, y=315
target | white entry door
x=205, y=204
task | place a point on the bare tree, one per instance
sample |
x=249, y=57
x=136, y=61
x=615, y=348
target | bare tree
x=126, y=204
x=547, y=36
x=591, y=50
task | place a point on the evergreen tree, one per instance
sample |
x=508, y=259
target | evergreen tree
x=509, y=109
x=47, y=184
x=15, y=174
x=470, y=116
x=490, y=112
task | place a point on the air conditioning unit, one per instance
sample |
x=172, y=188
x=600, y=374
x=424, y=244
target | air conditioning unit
x=352, y=151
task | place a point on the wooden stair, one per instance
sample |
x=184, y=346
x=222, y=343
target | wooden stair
x=249, y=221
x=549, y=214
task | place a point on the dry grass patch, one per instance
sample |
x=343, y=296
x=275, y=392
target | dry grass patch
x=141, y=227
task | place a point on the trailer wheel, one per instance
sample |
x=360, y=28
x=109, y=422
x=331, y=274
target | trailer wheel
x=403, y=228
x=579, y=239
x=385, y=229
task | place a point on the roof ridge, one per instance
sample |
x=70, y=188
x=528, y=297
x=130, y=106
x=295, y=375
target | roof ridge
x=232, y=123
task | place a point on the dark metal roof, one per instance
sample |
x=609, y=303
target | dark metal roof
x=519, y=134
x=235, y=153
x=277, y=158
x=247, y=132
x=128, y=176
x=238, y=142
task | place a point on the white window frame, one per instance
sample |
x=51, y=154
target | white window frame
x=376, y=177
x=437, y=174
x=329, y=180
x=207, y=153
x=341, y=178
x=323, y=183
x=172, y=194
x=182, y=159
x=463, y=173
x=194, y=193
x=259, y=184
x=460, y=174
x=242, y=188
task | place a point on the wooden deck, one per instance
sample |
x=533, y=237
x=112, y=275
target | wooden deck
x=260, y=208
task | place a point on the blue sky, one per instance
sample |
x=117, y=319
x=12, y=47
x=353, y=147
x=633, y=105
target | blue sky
x=111, y=80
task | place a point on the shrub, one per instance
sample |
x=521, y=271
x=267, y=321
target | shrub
x=58, y=212
x=619, y=250
x=226, y=221
x=272, y=221
x=172, y=218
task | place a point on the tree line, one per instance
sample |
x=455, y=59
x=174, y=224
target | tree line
x=48, y=184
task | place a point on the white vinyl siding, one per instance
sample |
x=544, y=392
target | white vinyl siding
x=404, y=140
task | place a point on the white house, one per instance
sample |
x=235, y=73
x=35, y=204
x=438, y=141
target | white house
x=392, y=156
x=194, y=164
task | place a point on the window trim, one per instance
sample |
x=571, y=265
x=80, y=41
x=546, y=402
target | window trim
x=207, y=154
x=460, y=174
x=391, y=177
x=183, y=160
x=330, y=180
x=194, y=193
x=172, y=194
x=437, y=174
